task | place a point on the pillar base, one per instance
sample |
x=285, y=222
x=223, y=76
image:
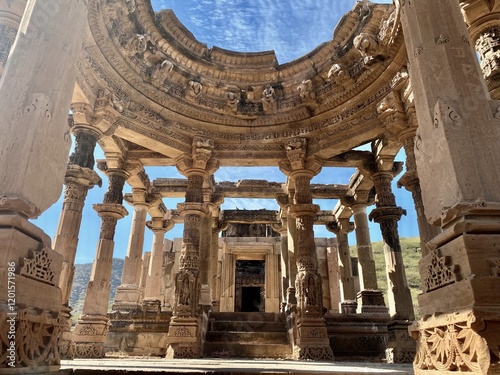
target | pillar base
x=401, y=347
x=31, y=323
x=66, y=345
x=184, y=338
x=89, y=336
x=348, y=307
x=128, y=298
x=312, y=340
x=371, y=302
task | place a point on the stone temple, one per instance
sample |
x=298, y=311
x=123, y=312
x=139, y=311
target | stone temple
x=422, y=75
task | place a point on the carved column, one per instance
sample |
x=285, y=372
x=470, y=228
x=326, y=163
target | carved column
x=458, y=163
x=11, y=13
x=129, y=294
x=80, y=177
x=34, y=144
x=387, y=214
x=90, y=332
x=187, y=327
x=152, y=291
x=483, y=20
x=403, y=126
x=285, y=271
x=214, y=274
x=311, y=338
x=341, y=228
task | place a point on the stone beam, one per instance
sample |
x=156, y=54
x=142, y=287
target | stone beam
x=176, y=188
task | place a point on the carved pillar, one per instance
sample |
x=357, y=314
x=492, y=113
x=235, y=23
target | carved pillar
x=187, y=330
x=153, y=289
x=403, y=126
x=483, y=20
x=214, y=273
x=387, y=214
x=129, y=294
x=272, y=286
x=311, y=338
x=227, y=283
x=35, y=144
x=411, y=183
x=11, y=13
x=341, y=228
x=458, y=163
x=291, y=296
x=80, y=177
x=205, y=255
x=90, y=332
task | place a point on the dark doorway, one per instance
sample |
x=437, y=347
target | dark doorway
x=250, y=299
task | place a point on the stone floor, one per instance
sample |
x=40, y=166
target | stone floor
x=145, y=366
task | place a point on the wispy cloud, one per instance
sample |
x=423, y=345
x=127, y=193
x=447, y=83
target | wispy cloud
x=292, y=28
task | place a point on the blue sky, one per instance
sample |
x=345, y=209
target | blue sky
x=292, y=29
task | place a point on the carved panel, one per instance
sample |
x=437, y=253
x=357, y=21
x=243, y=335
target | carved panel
x=439, y=272
x=39, y=267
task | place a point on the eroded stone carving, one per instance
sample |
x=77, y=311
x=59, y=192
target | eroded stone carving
x=39, y=267
x=194, y=89
x=269, y=99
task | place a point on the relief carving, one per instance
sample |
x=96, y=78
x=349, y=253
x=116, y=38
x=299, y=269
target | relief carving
x=269, y=99
x=39, y=267
x=440, y=272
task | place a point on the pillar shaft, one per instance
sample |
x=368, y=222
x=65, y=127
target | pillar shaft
x=347, y=287
x=10, y=18
x=366, y=264
x=154, y=275
x=133, y=260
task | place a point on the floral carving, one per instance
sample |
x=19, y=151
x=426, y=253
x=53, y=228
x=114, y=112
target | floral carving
x=456, y=346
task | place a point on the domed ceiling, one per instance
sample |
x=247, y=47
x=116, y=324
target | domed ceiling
x=165, y=87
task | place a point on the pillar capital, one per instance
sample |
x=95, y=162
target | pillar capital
x=158, y=224
x=340, y=226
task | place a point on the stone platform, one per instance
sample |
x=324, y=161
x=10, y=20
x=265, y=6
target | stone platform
x=144, y=366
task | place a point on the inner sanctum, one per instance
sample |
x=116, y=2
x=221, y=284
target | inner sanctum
x=416, y=78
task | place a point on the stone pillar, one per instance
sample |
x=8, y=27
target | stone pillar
x=311, y=338
x=341, y=228
x=214, y=273
x=400, y=348
x=146, y=259
x=403, y=126
x=285, y=272
x=187, y=327
x=11, y=13
x=153, y=294
x=458, y=163
x=80, y=177
x=227, y=283
x=291, y=297
x=483, y=20
x=129, y=294
x=90, y=332
x=272, y=282
x=35, y=144
x=205, y=254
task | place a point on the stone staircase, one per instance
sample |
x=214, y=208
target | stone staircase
x=247, y=335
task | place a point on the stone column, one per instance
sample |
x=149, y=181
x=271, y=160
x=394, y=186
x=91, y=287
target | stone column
x=90, y=332
x=153, y=290
x=458, y=163
x=11, y=13
x=370, y=298
x=291, y=296
x=205, y=255
x=272, y=282
x=311, y=340
x=35, y=144
x=214, y=274
x=80, y=177
x=129, y=294
x=341, y=228
x=483, y=20
x=187, y=327
x=146, y=259
x=227, y=283
x=400, y=349
x=285, y=272
x=403, y=126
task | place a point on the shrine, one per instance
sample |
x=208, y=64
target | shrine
x=419, y=75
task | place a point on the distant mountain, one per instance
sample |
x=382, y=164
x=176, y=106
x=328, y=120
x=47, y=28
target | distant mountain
x=82, y=277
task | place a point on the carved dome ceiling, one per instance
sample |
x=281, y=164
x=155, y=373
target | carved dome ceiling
x=167, y=87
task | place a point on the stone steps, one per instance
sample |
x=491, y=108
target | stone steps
x=247, y=335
